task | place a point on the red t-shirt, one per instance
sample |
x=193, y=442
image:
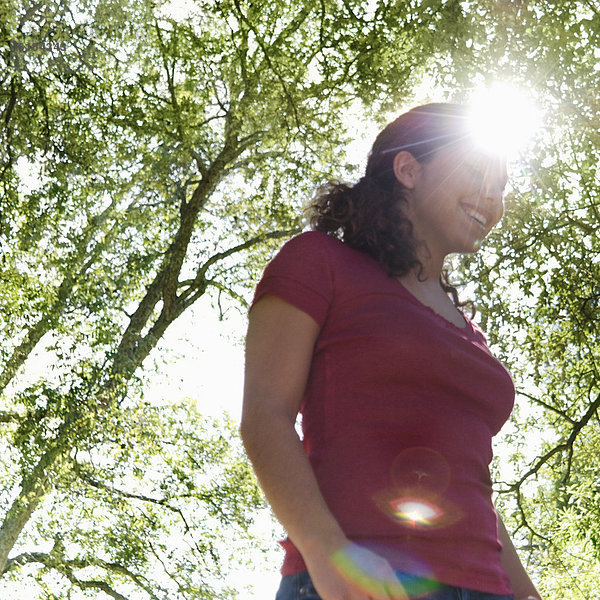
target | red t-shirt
x=397, y=417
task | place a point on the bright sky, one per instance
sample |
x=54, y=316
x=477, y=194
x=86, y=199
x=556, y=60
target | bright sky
x=206, y=363
x=204, y=360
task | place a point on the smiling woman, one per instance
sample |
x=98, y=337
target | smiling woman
x=354, y=325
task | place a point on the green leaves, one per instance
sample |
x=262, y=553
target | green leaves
x=149, y=157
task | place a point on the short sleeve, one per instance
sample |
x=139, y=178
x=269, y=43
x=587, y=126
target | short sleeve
x=300, y=273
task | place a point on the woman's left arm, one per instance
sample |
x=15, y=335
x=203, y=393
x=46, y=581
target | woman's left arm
x=519, y=579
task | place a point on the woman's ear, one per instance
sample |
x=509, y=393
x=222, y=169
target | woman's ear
x=407, y=169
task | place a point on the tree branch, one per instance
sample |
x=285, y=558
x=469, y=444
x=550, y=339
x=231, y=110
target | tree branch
x=9, y=108
x=125, y=494
x=562, y=413
x=301, y=16
x=10, y=417
x=197, y=286
x=33, y=489
x=60, y=563
x=565, y=445
x=47, y=321
x=92, y=584
x=223, y=288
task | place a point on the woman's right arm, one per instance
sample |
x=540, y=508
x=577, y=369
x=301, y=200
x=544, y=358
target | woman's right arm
x=279, y=349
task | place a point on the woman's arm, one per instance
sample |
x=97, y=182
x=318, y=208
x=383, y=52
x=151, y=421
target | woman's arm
x=521, y=583
x=279, y=349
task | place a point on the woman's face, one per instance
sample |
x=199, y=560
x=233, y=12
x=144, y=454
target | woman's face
x=457, y=199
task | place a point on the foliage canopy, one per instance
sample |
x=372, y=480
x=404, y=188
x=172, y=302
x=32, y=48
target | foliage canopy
x=149, y=158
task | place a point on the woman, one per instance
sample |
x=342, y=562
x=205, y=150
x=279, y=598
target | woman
x=388, y=494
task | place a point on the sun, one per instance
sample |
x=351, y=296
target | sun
x=503, y=119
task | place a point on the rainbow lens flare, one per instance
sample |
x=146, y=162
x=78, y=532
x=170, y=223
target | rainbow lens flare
x=363, y=569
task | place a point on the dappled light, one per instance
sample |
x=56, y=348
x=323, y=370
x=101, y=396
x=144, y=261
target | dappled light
x=152, y=159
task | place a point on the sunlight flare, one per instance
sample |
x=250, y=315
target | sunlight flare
x=503, y=119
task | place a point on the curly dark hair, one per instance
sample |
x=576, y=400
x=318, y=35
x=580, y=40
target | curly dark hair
x=368, y=215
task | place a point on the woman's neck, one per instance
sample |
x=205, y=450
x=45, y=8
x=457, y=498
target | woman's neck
x=431, y=266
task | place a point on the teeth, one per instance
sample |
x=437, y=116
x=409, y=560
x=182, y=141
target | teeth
x=481, y=219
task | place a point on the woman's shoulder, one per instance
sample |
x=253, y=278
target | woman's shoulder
x=314, y=239
x=347, y=266
x=318, y=244
x=310, y=247
x=316, y=262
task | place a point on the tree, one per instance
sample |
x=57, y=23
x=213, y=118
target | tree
x=139, y=515
x=146, y=161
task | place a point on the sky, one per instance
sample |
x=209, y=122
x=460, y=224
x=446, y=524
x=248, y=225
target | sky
x=206, y=363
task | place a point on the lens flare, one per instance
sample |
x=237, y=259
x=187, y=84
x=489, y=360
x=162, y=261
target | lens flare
x=363, y=569
x=416, y=512
x=416, y=499
x=415, y=508
x=421, y=467
x=362, y=566
x=503, y=119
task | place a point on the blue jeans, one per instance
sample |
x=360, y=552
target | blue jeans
x=300, y=587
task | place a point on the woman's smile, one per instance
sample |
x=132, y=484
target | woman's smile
x=477, y=216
